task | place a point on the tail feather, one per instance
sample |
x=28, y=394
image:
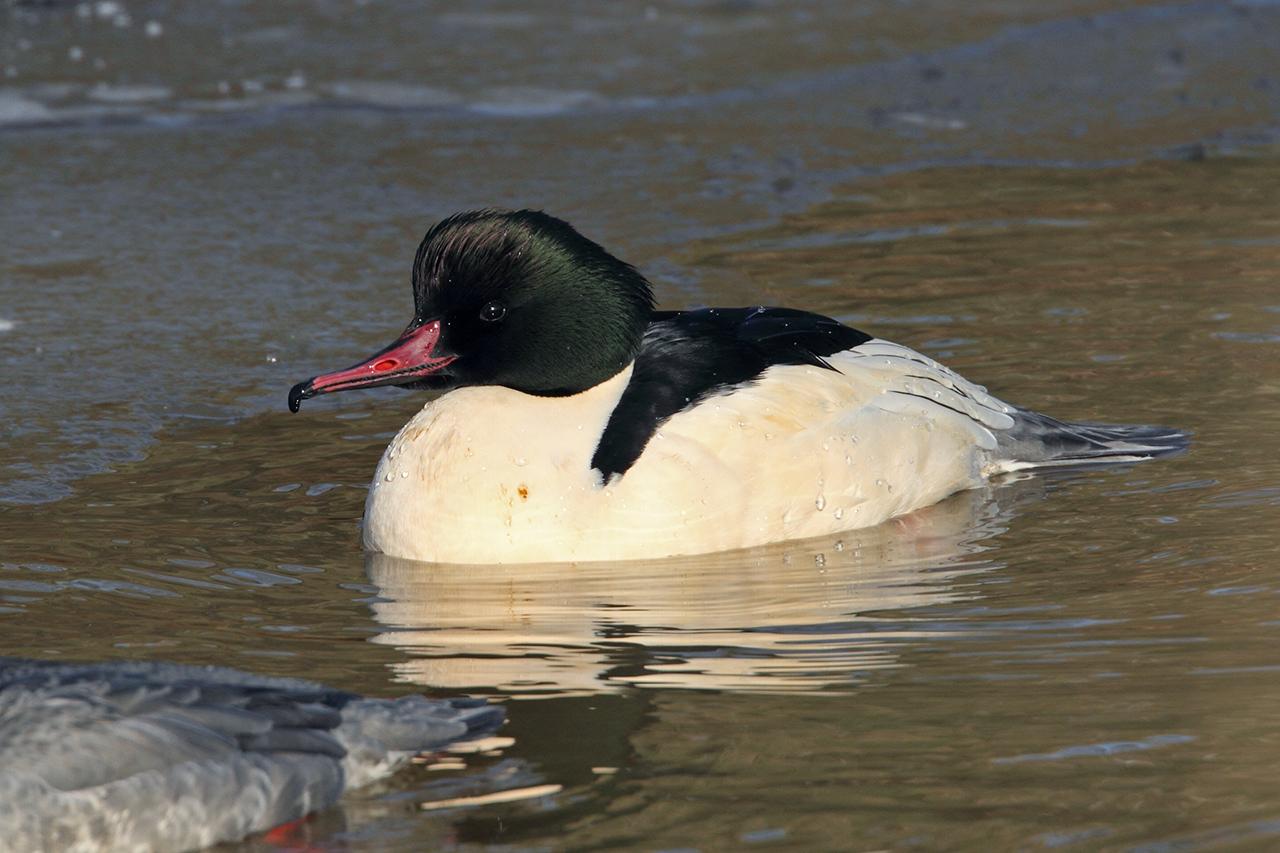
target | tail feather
x=1037, y=440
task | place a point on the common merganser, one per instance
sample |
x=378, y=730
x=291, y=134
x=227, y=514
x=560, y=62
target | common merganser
x=581, y=424
x=160, y=756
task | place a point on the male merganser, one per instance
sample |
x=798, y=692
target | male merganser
x=581, y=424
x=160, y=756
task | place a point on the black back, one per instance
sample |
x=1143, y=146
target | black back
x=687, y=356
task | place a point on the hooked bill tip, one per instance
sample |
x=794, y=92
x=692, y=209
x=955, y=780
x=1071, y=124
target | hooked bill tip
x=297, y=394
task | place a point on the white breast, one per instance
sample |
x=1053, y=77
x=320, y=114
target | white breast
x=491, y=475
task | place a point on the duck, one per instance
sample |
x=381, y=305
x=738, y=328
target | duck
x=578, y=422
x=153, y=755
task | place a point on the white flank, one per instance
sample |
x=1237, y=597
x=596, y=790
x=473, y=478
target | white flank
x=491, y=475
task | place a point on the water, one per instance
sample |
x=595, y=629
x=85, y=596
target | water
x=194, y=218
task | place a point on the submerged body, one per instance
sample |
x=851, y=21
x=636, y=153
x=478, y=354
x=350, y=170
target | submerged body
x=580, y=424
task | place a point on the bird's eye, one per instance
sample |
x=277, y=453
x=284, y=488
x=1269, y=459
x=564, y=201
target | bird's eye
x=492, y=312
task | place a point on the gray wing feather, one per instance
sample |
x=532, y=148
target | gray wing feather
x=1017, y=438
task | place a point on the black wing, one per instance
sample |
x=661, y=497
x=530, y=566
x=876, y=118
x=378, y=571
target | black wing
x=688, y=356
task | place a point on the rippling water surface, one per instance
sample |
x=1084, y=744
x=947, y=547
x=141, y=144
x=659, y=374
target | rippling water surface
x=1077, y=205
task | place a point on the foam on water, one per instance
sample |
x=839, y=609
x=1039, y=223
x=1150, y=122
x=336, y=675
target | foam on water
x=16, y=109
x=119, y=94
x=532, y=101
x=391, y=94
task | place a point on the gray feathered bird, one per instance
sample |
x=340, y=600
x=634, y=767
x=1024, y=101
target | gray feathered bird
x=161, y=756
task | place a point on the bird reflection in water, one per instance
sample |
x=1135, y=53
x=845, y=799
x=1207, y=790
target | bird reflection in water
x=795, y=616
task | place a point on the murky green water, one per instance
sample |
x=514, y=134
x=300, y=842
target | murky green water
x=1084, y=660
